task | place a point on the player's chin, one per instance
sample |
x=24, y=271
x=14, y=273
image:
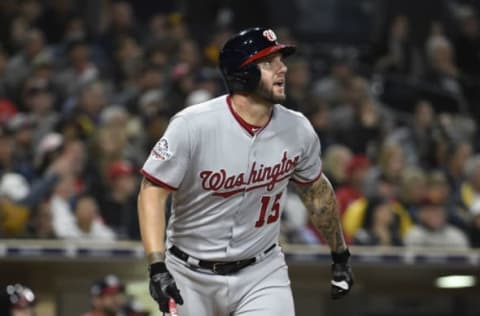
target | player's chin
x=279, y=97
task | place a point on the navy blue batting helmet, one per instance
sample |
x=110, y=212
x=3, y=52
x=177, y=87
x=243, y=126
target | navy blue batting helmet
x=15, y=296
x=238, y=56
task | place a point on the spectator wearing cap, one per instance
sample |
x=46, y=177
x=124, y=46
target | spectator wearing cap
x=17, y=300
x=107, y=297
x=118, y=205
x=357, y=169
x=433, y=229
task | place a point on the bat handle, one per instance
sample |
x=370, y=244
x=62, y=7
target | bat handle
x=172, y=306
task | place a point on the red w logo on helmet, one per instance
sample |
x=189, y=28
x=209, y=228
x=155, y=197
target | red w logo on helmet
x=270, y=35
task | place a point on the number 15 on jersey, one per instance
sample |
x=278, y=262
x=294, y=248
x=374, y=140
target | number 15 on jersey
x=273, y=210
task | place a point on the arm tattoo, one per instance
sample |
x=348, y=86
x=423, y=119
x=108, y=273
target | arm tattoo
x=319, y=198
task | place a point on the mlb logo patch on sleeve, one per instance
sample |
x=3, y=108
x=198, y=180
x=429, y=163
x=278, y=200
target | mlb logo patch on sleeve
x=160, y=150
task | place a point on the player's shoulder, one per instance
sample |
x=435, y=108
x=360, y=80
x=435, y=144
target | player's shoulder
x=289, y=116
x=199, y=111
x=283, y=111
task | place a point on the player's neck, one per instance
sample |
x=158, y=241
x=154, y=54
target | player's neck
x=250, y=110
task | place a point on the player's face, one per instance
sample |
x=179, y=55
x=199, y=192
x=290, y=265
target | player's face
x=272, y=82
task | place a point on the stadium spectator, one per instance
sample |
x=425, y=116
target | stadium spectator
x=413, y=188
x=418, y=138
x=99, y=89
x=298, y=84
x=107, y=297
x=384, y=178
x=433, y=229
x=20, y=65
x=357, y=216
x=319, y=114
x=357, y=169
x=381, y=225
x=80, y=71
x=335, y=161
x=118, y=204
x=396, y=54
x=17, y=300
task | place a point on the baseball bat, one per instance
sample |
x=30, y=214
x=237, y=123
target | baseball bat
x=172, y=306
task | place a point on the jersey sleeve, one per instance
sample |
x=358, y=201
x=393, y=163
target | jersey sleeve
x=168, y=159
x=309, y=168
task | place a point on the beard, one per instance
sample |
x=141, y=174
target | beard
x=268, y=94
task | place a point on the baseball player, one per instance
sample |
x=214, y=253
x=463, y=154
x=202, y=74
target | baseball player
x=17, y=300
x=227, y=163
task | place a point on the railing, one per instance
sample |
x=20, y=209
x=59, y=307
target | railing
x=18, y=249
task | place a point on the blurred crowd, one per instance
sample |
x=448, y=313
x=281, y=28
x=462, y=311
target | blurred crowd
x=80, y=110
x=108, y=297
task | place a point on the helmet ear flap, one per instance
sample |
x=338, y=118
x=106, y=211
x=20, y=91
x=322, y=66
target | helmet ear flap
x=245, y=79
x=237, y=78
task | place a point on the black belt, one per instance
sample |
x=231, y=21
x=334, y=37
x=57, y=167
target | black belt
x=219, y=267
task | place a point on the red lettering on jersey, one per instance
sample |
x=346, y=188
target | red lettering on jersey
x=264, y=176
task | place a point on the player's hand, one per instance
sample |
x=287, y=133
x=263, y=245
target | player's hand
x=163, y=286
x=342, y=276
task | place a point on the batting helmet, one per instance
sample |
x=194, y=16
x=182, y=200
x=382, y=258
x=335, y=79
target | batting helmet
x=238, y=56
x=15, y=296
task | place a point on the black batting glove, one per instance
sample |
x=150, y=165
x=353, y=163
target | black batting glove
x=163, y=286
x=342, y=276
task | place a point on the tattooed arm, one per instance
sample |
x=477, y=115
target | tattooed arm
x=151, y=216
x=319, y=198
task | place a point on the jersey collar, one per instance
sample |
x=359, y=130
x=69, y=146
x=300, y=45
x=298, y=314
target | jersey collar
x=251, y=129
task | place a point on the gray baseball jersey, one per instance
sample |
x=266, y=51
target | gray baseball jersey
x=229, y=182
